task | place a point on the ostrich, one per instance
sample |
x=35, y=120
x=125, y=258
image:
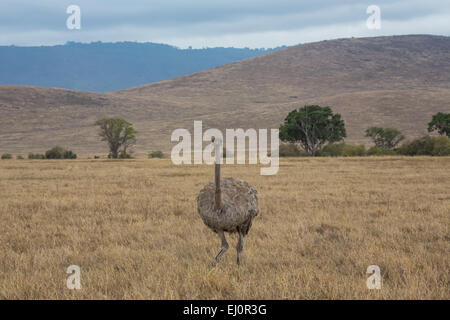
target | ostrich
x=228, y=205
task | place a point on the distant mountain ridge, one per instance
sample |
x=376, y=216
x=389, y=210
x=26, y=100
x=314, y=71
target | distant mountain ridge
x=102, y=67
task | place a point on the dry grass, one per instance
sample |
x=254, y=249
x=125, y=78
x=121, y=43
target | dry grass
x=133, y=228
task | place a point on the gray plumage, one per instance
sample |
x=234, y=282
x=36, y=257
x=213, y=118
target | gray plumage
x=240, y=206
x=228, y=207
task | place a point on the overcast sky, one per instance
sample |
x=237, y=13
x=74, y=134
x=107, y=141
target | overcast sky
x=211, y=23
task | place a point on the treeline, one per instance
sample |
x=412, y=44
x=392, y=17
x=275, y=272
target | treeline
x=54, y=153
x=103, y=67
x=424, y=146
x=316, y=131
x=309, y=131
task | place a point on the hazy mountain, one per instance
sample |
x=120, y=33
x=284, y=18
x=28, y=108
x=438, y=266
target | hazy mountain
x=105, y=67
x=397, y=82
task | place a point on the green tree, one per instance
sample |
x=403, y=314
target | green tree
x=312, y=126
x=58, y=153
x=55, y=153
x=118, y=133
x=440, y=123
x=386, y=138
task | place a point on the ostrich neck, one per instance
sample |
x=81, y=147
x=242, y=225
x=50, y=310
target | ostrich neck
x=218, y=195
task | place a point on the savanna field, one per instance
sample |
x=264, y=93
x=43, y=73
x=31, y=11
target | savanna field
x=133, y=228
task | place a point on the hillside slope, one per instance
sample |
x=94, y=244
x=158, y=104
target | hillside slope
x=395, y=81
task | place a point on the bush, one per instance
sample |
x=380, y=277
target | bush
x=332, y=150
x=354, y=151
x=378, y=151
x=68, y=154
x=6, y=156
x=121, y=155
x=441, y=146
x=156, y=154
x=342, y=150
x=19, y=157
x=60, y=153
x=420, y=146
x=125, y=155
x=33, y=156
x=55, y=153
x=291, y=150
x=426, y=146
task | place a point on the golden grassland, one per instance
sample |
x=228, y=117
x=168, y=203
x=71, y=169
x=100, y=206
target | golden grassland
x=133, y=228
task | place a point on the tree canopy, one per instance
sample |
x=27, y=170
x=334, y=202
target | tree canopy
x=59, y=153
x=440, y=123
x=312, y=126
x=386, y=138
x=118, y=133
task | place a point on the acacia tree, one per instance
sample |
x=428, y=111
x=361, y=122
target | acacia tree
x=118, y=133
x=386, y=138
x=441, y=123
x=312, y=126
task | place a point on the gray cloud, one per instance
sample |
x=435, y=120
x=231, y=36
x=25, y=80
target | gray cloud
x=254, y=23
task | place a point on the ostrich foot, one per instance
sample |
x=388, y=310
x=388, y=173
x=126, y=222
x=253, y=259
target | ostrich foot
x=222, y=250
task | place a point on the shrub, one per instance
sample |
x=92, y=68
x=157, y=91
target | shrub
x=426, y=146
x=55, y=153
x=19, y=157
x=36, y=156
x=417, y=147
x=68, y=154
x=60, y=153
x=332, y=150
x=6, y=156
x=378, y=151
x=342, y=150
x=125, y=155
x=291, y=150
x=156, y=154
x=121, y=155
x=441, y=146
x=354, y=151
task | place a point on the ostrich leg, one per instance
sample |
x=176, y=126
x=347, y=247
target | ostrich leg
x=240, y=247
x=224, y=247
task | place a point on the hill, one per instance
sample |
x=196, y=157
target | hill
x=397, y=81
x=102, y=67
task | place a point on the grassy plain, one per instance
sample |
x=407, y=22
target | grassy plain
x=133, y=228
